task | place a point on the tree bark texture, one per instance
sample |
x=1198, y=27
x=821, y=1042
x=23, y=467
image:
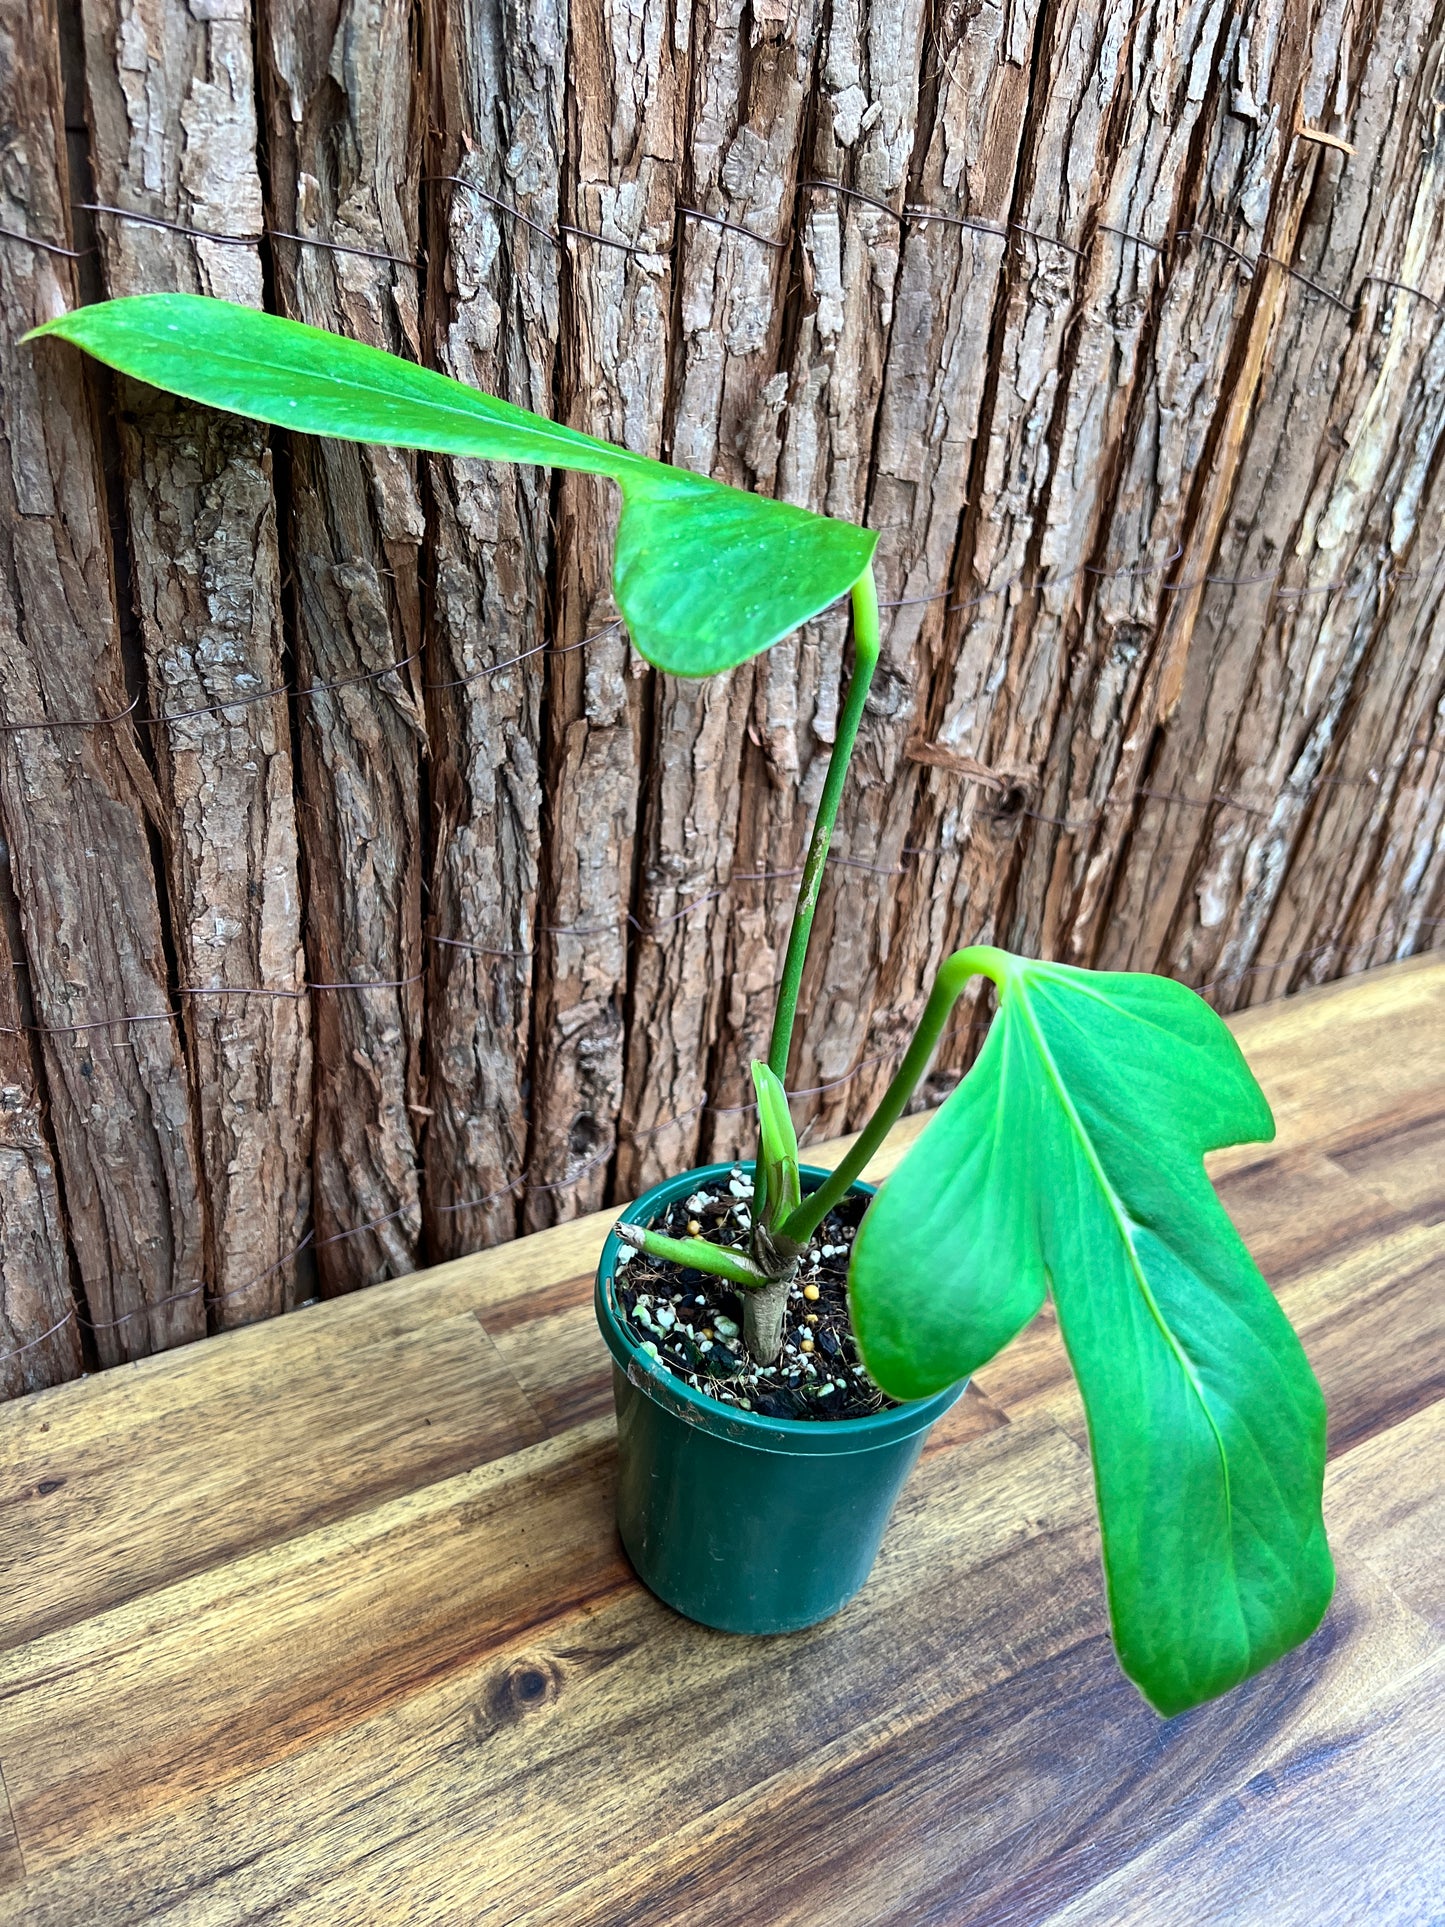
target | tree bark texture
x=498, y=78
x=343, y=125
x=1123, y=325
x=94, y=1105
x=171, y=106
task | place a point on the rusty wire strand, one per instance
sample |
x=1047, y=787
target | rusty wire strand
x=241, y=240
x=46, y=247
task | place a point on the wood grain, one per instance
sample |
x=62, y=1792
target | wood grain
x=377, y=1655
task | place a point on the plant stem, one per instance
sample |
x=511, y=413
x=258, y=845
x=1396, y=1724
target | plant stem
x=865, y=661
x=763, y=1313
x=947, y=987
x=697, y=1253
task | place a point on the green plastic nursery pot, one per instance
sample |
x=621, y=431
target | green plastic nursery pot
x=746, y=1523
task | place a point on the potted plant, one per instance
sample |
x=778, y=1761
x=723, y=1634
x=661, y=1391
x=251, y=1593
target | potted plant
x=1069, y=1161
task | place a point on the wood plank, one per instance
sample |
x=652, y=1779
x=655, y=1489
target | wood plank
x=873, y=1830
x=1327, y=1831
x=106, y=1499
x=12, y=1863
x=1359, y=1780
x=973, y=1808
x=451, y=1598
x=1352, y=1058
x=1387, y=1506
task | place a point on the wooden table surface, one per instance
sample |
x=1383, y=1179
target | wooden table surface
x=326, y=1621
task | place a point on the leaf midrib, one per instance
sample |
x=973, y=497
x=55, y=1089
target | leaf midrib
x=570, y=440
x=1125, y=1224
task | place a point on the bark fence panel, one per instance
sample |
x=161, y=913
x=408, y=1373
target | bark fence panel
x=1123, y=327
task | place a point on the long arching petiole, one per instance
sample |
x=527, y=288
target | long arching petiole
x=865, y=661
x=947, y=988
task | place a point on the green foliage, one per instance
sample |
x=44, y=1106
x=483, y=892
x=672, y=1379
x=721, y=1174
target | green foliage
x=778, y=1146
x=1070, y=1159
x=705, y=576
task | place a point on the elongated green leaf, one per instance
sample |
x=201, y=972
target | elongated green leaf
x=1071, y=1157
x=705, y=575
x=777, y=1145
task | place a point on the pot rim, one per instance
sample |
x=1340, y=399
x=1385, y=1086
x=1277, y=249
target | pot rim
x=755, y=1429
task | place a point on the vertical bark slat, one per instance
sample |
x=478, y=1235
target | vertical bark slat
x=75, y=810
x=340, y=86
x=39, y=1336
x=173, y=134
x=863, y=135
x=626, y=117
x=498, y=73
x=750, y=72
x=973, y=114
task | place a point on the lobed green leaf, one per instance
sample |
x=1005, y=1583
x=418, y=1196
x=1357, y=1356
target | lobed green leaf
x=1070, y=1160
x=705, y=575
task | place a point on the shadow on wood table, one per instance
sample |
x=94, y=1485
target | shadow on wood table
x=326, y=1621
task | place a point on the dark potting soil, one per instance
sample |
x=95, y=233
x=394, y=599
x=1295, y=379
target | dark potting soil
x=692, y=1322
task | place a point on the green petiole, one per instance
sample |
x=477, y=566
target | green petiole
x=865, y=661
x=696, y=1253
x=947, y=988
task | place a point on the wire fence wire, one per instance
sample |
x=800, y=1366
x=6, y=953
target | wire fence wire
x=630, y=927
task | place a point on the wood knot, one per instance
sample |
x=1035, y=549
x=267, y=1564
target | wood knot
x=520, y=1689
x=1011, y=804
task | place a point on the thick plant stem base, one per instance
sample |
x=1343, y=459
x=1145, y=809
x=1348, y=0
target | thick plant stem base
x=764, y=1309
